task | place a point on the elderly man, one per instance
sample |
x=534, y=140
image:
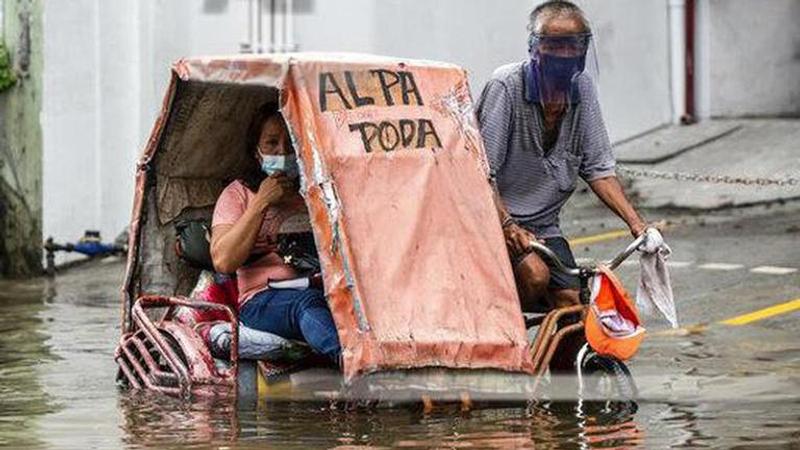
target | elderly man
x=542, y=128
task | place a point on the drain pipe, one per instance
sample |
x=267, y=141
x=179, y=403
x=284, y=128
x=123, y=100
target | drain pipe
x=259, y=27
x=682, y=41
x=290, y=45
x=272, y=26
x=248, y=45
x=281, y=27
x=677, y=47
x=689, y=77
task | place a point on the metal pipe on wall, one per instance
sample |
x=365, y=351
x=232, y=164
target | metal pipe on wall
x=281, y=27
x=677, y=23
x=272, y=9
x=247, y=45
x=259, y=26
x=689, y=72
x=290, y=26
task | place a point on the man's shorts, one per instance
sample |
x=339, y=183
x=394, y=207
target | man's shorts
x=559, y=279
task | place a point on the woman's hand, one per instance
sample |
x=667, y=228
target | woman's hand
x=274, y=190
x=517, y=239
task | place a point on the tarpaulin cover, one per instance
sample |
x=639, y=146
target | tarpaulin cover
x=395, y=178
x=414, y=259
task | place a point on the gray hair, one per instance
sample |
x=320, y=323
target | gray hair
x=556, y=8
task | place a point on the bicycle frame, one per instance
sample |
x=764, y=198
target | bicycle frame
x=549, y=336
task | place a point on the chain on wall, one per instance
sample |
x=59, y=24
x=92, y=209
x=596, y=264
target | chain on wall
x=786, y=182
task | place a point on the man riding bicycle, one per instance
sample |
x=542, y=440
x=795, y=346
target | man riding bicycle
x=542, y=128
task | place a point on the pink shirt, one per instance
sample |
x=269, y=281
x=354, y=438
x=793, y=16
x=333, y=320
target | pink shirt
x=252, y=278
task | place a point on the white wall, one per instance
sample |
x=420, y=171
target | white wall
x=632, y=41
x=106, y=69
x=70, y=119
x=753, y=57
x=633, y=54
x=107, y=66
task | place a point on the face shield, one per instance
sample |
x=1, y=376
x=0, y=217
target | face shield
x=557, y=62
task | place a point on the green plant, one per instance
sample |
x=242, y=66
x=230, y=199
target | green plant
x=7, y=76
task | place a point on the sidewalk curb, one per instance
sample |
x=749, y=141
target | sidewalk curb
x=681, y=151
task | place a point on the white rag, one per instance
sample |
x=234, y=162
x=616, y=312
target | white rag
x=654, y=293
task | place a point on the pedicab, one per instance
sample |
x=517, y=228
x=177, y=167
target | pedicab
x=403, y=225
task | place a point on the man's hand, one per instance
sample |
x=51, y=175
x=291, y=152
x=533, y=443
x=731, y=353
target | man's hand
x=638, y=227
x=517, y=239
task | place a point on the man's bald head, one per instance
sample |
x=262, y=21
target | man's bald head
x=555, y=17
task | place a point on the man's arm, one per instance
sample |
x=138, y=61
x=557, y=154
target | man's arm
x=611, y=193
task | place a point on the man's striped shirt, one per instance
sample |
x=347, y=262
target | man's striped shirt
x=535, y=184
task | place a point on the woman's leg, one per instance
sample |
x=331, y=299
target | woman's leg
x=294, y=314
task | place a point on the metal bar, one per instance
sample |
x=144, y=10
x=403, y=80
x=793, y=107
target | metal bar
x=138, y=368
x=546, y=331
x=157, y=301
x=569, y=329
x=123, y=365
x=284, y=21
x=271, y=26
x=259, y=26
x=154, y=368
x=689, y=27
x=575, y=327
x=289, y=43
x=543, y=250
x=622, y=256
x=250, y=42
x=155, y=337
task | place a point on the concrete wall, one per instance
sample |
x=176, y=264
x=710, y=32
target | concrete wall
x=106, y=73
x=89, y=117
x=753, y=58
x=21, y=142
x=108, y=65
x=632, y=38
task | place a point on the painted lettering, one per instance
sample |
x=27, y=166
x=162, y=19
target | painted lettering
x=390, y=135
x=326, y=78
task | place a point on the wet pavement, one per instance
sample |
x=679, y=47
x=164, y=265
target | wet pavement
x=720, y=386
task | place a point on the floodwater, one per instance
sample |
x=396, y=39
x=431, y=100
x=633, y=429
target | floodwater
x=719, y=388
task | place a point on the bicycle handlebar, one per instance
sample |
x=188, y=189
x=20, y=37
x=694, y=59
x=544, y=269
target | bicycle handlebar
x=543, y=250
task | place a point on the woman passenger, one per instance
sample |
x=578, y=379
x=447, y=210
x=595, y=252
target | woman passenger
x=247, y=217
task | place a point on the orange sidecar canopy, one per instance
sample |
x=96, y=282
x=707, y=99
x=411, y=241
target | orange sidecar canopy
x=395, y=178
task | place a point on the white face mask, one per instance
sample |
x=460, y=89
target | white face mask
x=287, y=164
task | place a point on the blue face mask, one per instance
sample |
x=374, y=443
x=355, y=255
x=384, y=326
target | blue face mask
x=559, y=71
x=287, y=164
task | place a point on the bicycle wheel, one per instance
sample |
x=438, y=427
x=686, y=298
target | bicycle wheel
x=605, y=378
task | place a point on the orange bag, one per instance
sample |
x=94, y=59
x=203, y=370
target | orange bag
x=613, y=326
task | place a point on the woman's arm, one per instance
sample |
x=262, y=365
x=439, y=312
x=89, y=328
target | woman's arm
x=231, y=244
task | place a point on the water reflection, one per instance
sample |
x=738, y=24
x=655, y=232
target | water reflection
x=153, y=421
x=23, y=347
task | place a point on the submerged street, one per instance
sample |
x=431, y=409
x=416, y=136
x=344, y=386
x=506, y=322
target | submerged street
x=310, y=207
x=706, y=384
